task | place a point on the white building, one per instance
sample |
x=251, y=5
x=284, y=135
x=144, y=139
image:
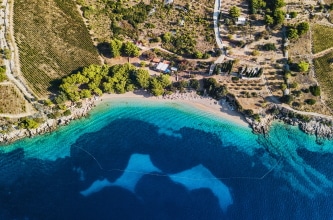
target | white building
x=241, y=20
x=167, y=2
x=162, y=67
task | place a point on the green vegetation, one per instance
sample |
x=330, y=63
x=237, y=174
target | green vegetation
x=118, y=48
x=292, y=33
x=293, y=14
x=303, y=66
x=95, y=79
x=194, y=84
x=322, y=37
x=310, y=101
x=134, y=15
x=225, y=67
x=256, y=6
x=6, y=53
x=182, y=44
x=3, y=75
x=269, y=20
x=53, y=41
x=130, y=49
x=250, y=73
x=273, y=13
x=255, y=53
x=28, y=123
x=315, y=90
x=269, y=46
x=286, y=99
x=324, y=70
x=214, y=90
x=234, y=12
x=297, y=31
x=302, y=28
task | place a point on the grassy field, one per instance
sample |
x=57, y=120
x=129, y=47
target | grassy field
x=11, y=100
x=322, y=37
x=53, y=41
x=324, y=71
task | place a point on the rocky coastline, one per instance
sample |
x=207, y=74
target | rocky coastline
x=313, y=125
x=49, y=125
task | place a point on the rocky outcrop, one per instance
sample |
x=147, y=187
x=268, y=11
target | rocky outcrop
x=321, y=127
x=49, y=125
x=262, y=126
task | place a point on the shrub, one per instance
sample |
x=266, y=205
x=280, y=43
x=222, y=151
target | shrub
x=255, y=53
x=256, y=117
x=302, y=28
x=286, y=99
x=248, y=112
x=29, y=123
x=269, y=46
x=293, y=85
x=293, y=14
x=194, y=84
x=303, y=66
x=310, y=101
x=234, y=12
x=234, y=78
x=315, y=90
x=67, y=112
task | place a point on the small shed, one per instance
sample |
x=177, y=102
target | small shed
x=241, y=20
x=174, y=69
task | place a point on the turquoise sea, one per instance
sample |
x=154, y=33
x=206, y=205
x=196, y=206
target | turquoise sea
x=146, y=160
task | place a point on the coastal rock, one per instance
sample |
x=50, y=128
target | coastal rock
x=262, y=126
x=50, y=124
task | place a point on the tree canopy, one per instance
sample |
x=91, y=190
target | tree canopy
x=130, y=49
x=119, y=48
x=269, y=19
x=292, y=33
x=315, y=90
x=234, y=12
x=95, y=79
x=302, y=28
x=303, y=66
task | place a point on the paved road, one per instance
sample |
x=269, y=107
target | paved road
x=218, y=39
x=10, y=64
x=216, y=14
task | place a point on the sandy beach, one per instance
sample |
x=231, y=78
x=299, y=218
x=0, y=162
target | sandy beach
x=221, y=109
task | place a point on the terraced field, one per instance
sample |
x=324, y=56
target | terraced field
x=11, y=100
x=324, y=71
x=322, y=38
x=52, y=40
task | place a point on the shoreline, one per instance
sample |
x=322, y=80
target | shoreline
x=219, y=109
x=222, y=109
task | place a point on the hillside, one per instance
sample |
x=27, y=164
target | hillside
x=52, y=40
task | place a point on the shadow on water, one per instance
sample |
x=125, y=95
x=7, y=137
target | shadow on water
x=41, y=189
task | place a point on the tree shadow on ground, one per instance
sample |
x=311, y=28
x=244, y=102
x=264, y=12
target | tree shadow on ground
x=104, y=49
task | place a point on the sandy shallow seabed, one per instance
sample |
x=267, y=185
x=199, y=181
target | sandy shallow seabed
x=219, y=108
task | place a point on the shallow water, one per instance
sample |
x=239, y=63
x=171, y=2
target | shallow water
x=145, y=160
